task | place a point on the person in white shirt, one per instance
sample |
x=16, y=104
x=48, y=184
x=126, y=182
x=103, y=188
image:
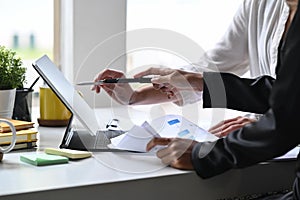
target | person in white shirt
x=252, y=39
x=250, y=43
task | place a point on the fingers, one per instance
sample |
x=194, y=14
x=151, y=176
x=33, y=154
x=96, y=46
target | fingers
x=183, y=163
x=109, y=73
x=147, y=72
x=161, y=79
x=224, y=132
x=153, y=71
x=167, y=89
x=158, y=141
x=177, y=152
x=177, y=78
x=106, y=74
x=225, y=127
x=108, y=89
x=222, y=124
x=157, y=86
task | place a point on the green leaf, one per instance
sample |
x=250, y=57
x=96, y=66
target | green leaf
x=12, y=74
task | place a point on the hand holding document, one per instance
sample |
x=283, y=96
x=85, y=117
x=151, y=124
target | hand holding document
x=137, y=138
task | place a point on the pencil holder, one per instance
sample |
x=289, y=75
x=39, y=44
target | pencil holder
x=23, y=104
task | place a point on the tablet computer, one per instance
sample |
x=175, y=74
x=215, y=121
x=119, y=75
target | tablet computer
x=91, y=138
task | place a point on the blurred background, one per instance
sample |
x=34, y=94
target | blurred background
x=28, y=27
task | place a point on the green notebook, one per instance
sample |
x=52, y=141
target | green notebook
x=43, y=159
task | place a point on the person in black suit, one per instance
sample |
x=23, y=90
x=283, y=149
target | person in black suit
x=271, y=136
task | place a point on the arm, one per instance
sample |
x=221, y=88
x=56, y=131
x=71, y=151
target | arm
x=229, y=91
x=149, y=95
x=124, y=94
x=220, y=90
x=274, y=134
x=230, y=54
x=179, y=86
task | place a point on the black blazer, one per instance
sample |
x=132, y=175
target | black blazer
x=272, y=135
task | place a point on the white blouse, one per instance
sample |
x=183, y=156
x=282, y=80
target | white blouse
x=250, y=43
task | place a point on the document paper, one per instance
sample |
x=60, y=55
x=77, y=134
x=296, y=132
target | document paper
x=137, y=138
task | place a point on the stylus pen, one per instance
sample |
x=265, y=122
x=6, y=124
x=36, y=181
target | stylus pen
x=117, y=80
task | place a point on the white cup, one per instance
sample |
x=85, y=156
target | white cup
x=13, y=138
x=7, y=99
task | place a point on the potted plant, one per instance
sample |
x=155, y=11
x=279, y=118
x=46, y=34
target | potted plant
x=12, y=76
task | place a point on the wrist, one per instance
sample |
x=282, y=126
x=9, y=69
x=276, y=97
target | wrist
x=196, y=81
x=133, y=98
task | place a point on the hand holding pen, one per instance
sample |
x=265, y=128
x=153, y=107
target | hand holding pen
x=117, y=86
x=109, y=80
x=117, y=80
x=103, y=77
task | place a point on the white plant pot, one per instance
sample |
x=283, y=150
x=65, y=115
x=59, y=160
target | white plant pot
x=7, y=101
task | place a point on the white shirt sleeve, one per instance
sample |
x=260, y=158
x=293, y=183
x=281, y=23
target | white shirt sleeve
x=230, y=54
x=250, y=42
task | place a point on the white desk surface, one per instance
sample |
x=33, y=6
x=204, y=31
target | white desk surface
x=127, y=175
x=23, y=178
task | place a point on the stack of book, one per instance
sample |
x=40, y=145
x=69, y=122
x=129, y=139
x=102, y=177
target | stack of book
x=26, y=134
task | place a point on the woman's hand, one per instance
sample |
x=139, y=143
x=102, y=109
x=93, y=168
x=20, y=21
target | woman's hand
x=120, y=92
x=178, y=151
x=173, y=81
x=225, y=127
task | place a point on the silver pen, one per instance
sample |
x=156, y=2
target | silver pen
x=117, y=80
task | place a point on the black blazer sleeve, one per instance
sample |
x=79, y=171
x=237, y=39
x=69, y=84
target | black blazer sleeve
x=226, y=90
x=273, y=134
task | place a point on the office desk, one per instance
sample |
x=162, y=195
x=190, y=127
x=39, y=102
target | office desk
x=121, y=176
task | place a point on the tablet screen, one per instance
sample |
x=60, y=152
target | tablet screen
x=67, y=93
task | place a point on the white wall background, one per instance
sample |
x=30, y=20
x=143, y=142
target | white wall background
x=93, y=33
x=84, y=50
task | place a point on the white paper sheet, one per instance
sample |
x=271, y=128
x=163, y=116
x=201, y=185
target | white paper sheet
x=137, y=138
x=178, y=126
